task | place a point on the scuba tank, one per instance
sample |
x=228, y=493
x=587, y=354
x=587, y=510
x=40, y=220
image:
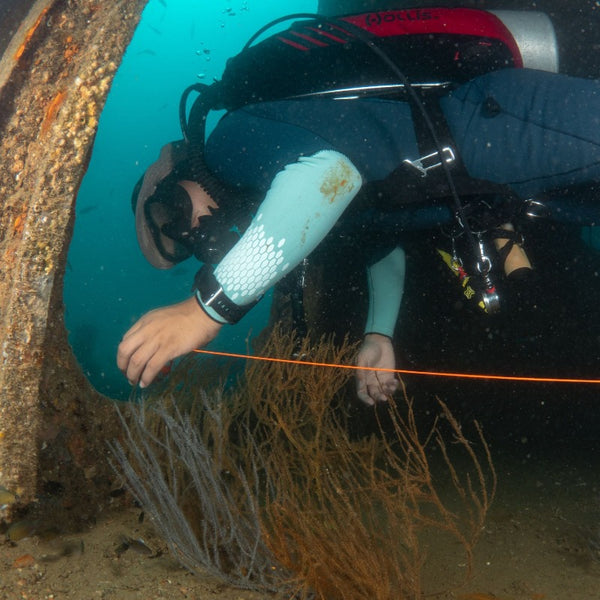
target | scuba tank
x=535, y=36
x=432, y=47
x=318, y=56
x=385, y=53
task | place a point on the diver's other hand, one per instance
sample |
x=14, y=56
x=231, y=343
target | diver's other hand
x=376, y=352
x=162, y=335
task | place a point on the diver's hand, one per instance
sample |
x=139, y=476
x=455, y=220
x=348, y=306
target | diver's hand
x=376, y=352
x=162, y=335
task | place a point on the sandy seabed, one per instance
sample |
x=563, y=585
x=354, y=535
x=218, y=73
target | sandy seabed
x=541, y=542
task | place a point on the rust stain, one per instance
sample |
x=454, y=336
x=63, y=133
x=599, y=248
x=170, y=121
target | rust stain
x=71, y=49
x=19, y=223
x=52, y=111
x=29, y=35
x=477, y=596
x=8, y=259
x=336, y=182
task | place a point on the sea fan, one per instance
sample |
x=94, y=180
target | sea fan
x=201, y=502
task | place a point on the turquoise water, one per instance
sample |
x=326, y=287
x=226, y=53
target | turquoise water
x=108, y=284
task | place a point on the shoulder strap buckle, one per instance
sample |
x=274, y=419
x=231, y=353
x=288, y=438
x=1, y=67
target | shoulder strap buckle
x=424, y=164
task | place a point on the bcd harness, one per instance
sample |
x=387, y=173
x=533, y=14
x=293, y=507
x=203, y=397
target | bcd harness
x=413, y=55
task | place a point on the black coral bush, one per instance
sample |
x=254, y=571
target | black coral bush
x=264, y=487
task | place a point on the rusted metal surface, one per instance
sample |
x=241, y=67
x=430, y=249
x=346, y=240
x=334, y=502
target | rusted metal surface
x=12, y=14
x=54, y=77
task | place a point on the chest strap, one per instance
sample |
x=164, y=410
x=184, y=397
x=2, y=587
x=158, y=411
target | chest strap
x=424, y=179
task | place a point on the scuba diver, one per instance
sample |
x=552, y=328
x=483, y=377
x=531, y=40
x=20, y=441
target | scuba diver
x=385, y=121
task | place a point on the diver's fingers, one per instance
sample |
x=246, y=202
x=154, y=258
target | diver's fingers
x=153, y=367
x=162, y=335
x=362, y=390
x=374, y=386
x=377, y=392
x=133, y=355
x=137, y=326
x=389, y=383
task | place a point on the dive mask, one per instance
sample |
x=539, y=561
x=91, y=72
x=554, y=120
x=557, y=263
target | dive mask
x=163, y=210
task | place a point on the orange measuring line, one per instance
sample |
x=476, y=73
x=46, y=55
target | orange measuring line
x=403, y=371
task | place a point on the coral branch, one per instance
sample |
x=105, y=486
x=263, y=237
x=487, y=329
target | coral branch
x=264, y=487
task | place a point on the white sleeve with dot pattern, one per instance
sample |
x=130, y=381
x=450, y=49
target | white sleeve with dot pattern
x=303, y=203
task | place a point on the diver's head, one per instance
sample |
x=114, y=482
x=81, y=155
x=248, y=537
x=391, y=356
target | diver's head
x=178, y=217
